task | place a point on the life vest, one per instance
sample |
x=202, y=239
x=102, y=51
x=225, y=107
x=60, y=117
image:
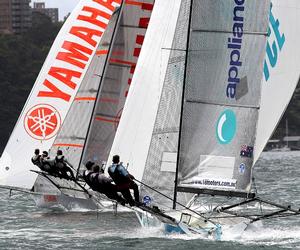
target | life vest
x=86, y=177
x=93, y=177
x=60, y=162
x=36, y=160
x=116, y=175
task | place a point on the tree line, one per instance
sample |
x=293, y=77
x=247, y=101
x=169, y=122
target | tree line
x=22, y=56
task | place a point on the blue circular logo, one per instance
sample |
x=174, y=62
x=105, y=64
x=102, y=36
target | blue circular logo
x=147, y=200
x=226, y=127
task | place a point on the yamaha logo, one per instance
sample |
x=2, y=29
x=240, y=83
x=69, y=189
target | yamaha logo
x=42, y=122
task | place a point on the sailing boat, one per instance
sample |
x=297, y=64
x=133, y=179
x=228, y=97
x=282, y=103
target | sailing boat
x=93, y=138
x=212, y=110
x=95, y=52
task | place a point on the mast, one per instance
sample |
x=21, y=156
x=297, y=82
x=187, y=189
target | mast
x=182, y=101
x=101, y=81
x=287, y=132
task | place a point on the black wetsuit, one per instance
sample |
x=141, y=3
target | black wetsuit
x=61, y=165
x=102, y=184
x=42, y=163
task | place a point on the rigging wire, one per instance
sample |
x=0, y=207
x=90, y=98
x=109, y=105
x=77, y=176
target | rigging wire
x=256, y=194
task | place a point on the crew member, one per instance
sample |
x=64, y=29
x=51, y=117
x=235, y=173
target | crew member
x=102, y=184
x=124, y=181
x=87, y=173
x=36, y=158
x=47, y=163
x=62, y=165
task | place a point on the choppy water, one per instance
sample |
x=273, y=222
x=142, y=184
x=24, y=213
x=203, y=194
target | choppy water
x=23, y=226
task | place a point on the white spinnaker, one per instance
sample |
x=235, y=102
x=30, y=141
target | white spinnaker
x=54, y=90
x=283, y=75
x=136, y=125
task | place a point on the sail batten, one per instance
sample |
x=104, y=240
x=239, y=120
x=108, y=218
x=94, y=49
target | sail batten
x=245, y=32
x=223, y=104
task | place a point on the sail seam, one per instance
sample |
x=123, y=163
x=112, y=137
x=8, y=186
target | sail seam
x=230, y=32
x=224, y=104
x=133, y=26
x=169, y=131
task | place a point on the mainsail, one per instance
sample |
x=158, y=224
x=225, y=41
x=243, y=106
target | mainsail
x=222, y=93
x=281, y=69
x=135, y=129
x=120, y=70
x=55, y=89
x=160, y=167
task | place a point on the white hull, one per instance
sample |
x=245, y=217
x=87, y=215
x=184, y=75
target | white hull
x=197, y=226
x=74, y=204
x=62, y=201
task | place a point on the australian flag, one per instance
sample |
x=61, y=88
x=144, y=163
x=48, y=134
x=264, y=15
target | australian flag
x=247, y=151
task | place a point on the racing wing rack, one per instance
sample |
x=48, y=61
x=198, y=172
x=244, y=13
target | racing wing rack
x=283, y=210
x=156, y=212
x=48, y=177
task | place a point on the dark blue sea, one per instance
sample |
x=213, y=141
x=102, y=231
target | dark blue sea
x=24, y=226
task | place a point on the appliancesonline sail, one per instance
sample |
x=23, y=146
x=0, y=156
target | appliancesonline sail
x=221, y=96
x=55, y=90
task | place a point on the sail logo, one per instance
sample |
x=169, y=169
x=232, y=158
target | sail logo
x=66, y=65
x=75, y=53
x=42, y=122
x=226, y=127
x=242, y=168
x=235, y=45
x=274, y=45
x=147, y=200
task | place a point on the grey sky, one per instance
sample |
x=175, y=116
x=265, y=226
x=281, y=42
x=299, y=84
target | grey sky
x=65, y=6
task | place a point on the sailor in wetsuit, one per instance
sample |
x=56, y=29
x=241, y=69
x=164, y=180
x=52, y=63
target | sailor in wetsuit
x=62, y=164
x=102, y=184
x=36, y=158
x=47, y=163
x=124, y=181
x=42, y=161
x=87, y=173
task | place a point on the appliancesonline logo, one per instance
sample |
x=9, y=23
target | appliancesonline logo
x=235, y=45
x=226, y=127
